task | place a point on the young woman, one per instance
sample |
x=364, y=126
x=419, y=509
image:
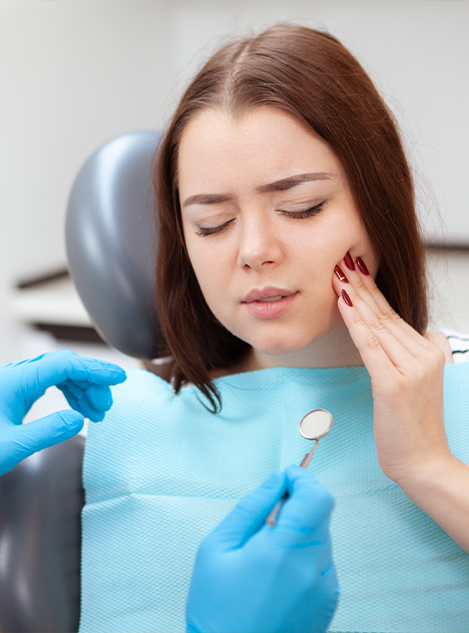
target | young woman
x=291, y=276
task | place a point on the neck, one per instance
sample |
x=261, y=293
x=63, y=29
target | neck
x=335, y=349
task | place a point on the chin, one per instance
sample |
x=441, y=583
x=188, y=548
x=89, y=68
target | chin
x=281, y=347
x=295, y=340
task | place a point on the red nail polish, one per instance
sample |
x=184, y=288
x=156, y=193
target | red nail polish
x=347, y=299
x=361, y=266
x=340, y=275
x=349, y=261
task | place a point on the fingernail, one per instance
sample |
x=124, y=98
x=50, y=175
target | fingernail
x=346, y=298
x=349, y=261
x=361, y=266
x=340, y=275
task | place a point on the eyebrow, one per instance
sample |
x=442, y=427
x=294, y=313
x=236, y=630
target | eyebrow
x=278, y=185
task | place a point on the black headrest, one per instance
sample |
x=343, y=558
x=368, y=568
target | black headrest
x=111, y=243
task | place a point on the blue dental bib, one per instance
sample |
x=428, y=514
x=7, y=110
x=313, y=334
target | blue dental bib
x=161, y=471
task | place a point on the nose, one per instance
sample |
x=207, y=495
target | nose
x=259, y=246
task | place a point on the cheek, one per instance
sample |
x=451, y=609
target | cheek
x=344, y=233
x=210, y=268
x=318, y=250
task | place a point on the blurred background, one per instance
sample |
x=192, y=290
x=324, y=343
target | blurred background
x=76, y=73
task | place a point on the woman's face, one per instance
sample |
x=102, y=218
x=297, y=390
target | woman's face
x=267, y=214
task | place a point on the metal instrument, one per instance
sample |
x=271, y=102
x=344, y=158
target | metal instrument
x=315, y=425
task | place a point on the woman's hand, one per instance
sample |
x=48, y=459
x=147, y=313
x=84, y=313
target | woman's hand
x=406, y=372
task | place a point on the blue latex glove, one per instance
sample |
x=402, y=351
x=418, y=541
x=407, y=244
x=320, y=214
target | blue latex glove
x=85, y=384
x=252, y=578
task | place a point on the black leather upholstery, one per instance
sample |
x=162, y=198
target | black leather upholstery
x=40, y=537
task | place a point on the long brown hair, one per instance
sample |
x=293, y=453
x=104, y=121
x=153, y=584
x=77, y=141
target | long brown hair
x=309, y=74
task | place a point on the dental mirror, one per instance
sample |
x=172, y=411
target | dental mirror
x=315, y=425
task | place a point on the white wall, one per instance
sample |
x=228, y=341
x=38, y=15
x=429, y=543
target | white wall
x=72, y=76
x=76, y=73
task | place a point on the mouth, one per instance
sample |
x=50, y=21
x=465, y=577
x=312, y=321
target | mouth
x=267, y=295
x=268, y=299
x=269, y=303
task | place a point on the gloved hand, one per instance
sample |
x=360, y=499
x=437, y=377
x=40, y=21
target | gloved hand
x=252, y=578
x=85, y=384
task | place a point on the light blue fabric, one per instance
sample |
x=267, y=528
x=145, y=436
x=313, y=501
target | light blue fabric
x=161, y=472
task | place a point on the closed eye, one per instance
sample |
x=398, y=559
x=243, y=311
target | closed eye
x=307, y=213
x=216, y=229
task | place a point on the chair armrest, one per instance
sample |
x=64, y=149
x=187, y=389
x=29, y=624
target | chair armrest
x=40, y=541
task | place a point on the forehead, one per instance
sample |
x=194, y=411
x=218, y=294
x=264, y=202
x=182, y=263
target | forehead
x=217, y=151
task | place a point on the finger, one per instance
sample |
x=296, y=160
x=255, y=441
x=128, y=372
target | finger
x=57, y=367
x=96, y=401
x=305, y=515
x=251, y=512
x=369, y=292
x=353, y=278
x=98, y=396
x=385, y=348
x=373, y=329
x=417, y=345
x=402, y=349
x=382, y=303
x=77, y=389
x=82, y=404
x=373, y=355
x=48, y=431
x=79, y=385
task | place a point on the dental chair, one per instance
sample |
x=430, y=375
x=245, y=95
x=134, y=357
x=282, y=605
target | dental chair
x=110, y=238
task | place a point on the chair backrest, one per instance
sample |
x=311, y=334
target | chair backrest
x=40, y=541
x=111, y=243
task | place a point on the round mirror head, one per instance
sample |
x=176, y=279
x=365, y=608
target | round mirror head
x=316, y=424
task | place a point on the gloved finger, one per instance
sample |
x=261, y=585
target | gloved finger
x=98, y=396
x=57, y=367
x=78, y=385
x=103, y=402
x=82, y=405
x=250, y=513
x=305, y=515
x=47, y=431
x=73, y=388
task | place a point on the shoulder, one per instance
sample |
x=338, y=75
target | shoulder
x=141, y=403
x=457, y=344
x=141, y=389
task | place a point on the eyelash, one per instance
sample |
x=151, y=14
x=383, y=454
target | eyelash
x=307, y=213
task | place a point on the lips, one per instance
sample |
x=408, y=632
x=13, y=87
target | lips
x=269, y=303
x=267, y=294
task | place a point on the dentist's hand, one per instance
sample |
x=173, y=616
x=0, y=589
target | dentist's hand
x=252, y=578
x=85, y=384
